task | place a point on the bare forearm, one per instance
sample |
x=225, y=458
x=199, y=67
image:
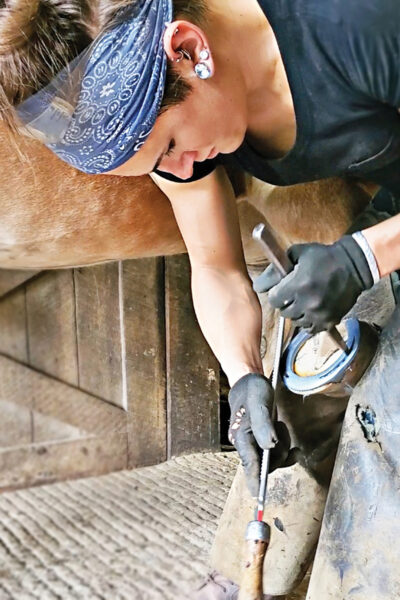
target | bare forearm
x=229, y=315
x=384, y=240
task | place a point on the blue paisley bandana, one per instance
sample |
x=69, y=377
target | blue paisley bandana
x=99, y=111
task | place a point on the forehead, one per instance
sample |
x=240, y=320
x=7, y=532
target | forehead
x=169, y=125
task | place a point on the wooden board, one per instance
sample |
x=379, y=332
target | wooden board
x=59, y=431
x=99, y=332
x=15, y=425
x=25, y=466
x=192, y=370
x=13, y=338
x=116, y=351
x=28, y=388
x=144, y=326
x=51, y=326
x=9, y=279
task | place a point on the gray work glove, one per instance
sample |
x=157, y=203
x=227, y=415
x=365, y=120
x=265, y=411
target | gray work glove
x=251, y=429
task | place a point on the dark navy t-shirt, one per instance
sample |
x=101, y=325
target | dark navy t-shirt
x=342, y=59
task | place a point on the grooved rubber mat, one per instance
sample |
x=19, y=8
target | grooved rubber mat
x=133, y=535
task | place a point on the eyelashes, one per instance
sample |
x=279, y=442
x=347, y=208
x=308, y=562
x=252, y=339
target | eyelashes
x=171, y=147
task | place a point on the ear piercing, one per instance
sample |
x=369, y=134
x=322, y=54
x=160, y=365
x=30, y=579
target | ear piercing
x=183, y=54
x=202, y=70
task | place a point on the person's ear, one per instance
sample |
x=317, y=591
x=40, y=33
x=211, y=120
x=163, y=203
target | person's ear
x=187, y=44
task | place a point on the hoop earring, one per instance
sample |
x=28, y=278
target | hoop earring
x=183, y=54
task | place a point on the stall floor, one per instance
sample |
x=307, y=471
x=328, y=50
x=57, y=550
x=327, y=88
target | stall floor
x=133, y=535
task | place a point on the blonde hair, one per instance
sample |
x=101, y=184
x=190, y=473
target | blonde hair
x=38, y=38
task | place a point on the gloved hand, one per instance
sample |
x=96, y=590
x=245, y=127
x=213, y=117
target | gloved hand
x=251, y=428
x=324, y=285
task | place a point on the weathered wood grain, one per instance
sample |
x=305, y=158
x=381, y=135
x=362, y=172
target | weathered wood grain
x=144, y=326
x=46, y=396
x=13, y=338
x=10, y=279
x=15, y=424
x=99, y=332
x=72, y=433
x=25, y=466
x=192, y=370
x=51, y=327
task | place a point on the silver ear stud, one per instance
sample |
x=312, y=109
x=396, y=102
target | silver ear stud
x=202, y=70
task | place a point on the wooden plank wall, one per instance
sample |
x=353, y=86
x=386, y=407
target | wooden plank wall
x=123, y=334
x=13, y=331
x=51, y=331
x=192, y=371
x=9, y=280
x=98, y=326
x=145, y=352
x=54, y=431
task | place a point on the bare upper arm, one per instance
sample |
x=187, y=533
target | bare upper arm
x=207, y=217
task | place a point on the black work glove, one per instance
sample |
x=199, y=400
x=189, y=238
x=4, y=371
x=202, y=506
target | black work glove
x=251, y=428
x=324, y=285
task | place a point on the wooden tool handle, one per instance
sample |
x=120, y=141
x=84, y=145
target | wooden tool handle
x=257, y=542
x=252, y=578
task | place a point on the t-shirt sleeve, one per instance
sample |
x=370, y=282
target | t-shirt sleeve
x=374, y=50
x=200, y=170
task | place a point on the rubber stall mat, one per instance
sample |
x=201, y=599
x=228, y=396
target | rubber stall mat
x=133, y=535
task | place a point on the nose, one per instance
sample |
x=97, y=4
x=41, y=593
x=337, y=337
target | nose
x=181, y=167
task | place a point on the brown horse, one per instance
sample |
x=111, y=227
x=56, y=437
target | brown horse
x=53, y=216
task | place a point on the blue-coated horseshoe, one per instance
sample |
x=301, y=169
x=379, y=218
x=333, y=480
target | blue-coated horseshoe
x=332, y=374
